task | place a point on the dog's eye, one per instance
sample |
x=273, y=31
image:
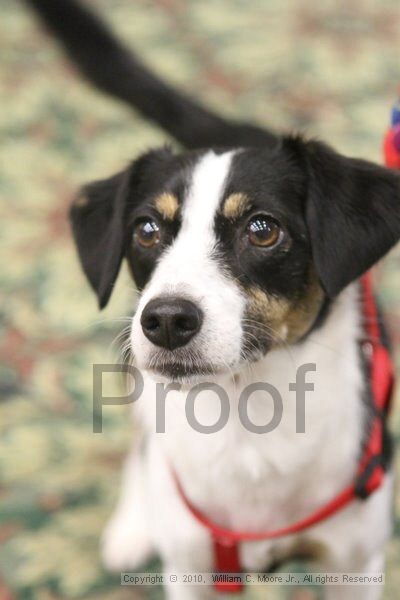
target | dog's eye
x=147, y=233
x=263, y=231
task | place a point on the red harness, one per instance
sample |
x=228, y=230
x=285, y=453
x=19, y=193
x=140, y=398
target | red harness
x=370, y=472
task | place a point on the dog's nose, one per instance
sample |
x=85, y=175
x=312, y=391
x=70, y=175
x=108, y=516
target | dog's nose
x=171, y=322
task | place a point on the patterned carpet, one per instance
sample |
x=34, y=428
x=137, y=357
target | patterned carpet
x=328, y=68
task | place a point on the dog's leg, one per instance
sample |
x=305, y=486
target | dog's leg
x=359, y=592
x=184, y=545
x=355, y=542
x=126, y=542
x=188, y=592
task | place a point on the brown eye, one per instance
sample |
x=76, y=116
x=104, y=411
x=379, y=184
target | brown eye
x=147, y=233
x=263, y=231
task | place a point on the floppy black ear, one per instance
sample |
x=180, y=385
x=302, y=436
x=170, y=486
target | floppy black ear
x=352, y=213
x=98, y=221
x=97, y=224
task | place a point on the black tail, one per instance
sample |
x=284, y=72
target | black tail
x=115, y=70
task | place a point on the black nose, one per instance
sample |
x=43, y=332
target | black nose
x=171, y=322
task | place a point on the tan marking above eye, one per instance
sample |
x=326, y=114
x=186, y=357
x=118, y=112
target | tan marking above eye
x=167, y=205
x=236, y=205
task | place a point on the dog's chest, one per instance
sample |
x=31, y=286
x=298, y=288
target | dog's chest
x=256, y=481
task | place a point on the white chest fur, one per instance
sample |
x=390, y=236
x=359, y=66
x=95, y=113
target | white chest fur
x=244, y=479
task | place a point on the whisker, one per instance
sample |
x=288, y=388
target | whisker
x=274, y=335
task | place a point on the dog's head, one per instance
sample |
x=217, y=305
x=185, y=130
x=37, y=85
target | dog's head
x=236, y=251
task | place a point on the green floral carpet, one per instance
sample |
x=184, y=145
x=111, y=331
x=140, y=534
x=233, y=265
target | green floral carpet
x=330, y=68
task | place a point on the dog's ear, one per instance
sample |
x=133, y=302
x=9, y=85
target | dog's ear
x=98, y=221
x=97, y=217
x=352, y=213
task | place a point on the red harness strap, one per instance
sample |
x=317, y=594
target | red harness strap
x=369, y=475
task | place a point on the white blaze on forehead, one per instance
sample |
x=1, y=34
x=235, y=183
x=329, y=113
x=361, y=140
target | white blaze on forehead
x=189, y=268
x=205, y=193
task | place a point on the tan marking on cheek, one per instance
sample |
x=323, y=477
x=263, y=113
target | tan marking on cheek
x=167, y=205
x=268, y=310
x=304, y=312
x=235, y=206
x=286, y=320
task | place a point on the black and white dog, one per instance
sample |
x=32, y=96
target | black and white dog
x=247, y=250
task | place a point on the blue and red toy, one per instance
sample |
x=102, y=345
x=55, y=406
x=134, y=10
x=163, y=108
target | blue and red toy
x=391, y=141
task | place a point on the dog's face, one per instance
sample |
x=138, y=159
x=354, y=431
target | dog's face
x=235, y=252
x=222, y=252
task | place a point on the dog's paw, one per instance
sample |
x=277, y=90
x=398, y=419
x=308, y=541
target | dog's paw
x=124, y=545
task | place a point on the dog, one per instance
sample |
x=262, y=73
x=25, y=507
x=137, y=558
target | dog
x=247, y=249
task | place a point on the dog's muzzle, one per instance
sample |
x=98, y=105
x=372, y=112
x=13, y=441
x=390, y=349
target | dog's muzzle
x=171, y=322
